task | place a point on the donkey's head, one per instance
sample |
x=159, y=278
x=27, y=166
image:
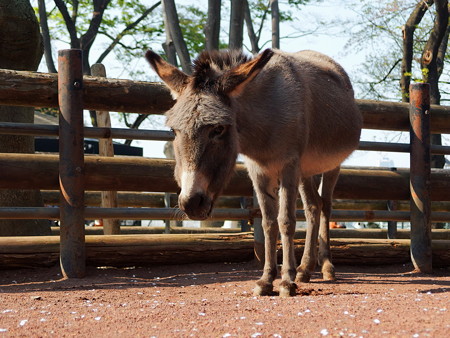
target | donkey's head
x=206, y=140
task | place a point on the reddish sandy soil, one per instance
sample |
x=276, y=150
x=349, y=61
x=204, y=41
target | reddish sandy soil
x=215, y=300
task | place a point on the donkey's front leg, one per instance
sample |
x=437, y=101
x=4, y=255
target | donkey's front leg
x=266, y=188
x=312, y=204
x=289, y=182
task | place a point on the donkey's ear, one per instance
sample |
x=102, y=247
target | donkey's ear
x=235, y=80
x=174, y=78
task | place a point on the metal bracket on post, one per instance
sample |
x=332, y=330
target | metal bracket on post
x=420, y=158
x=71, y=163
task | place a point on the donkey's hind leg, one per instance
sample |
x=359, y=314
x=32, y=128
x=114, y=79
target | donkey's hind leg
x=326, y=189
x=312, y=204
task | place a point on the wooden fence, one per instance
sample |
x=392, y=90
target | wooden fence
x=73, y=174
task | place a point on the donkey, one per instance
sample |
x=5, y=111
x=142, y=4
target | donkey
x=292, y=116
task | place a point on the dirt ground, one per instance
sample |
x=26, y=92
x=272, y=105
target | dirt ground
x=215, y=300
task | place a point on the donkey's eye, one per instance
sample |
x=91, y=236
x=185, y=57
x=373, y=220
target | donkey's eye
x=173, y=131
x=216, y=132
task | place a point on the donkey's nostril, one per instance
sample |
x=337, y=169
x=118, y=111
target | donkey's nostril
x=196, y=206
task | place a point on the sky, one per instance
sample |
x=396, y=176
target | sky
x=328, y=40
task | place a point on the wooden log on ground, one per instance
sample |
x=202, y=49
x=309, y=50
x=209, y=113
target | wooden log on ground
x=374, y=233
x=19, y=88
x=299, y=233
x=351, y=251
x=130, y=250
x=147, y=250
x=142, y=230
x=27, y=171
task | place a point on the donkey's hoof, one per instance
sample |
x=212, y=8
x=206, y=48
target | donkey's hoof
x=303, y=277
x=328, y=272
x=287, y=289
x=263, y=289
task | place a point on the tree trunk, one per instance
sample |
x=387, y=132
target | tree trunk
x=431, y=68
x=212, y=27
x=236, y=24
x=254, y=40
x=20, y=49
x=177, y=35
x=275, y=23
x=168, y=45
x=408, y=43
x=46, y=37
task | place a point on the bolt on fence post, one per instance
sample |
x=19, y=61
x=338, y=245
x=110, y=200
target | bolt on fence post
x=419, y=115
x=71, y=163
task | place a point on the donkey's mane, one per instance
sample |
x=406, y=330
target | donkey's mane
x=209, y=65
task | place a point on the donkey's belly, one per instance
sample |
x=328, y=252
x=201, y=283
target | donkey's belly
x=313, y=163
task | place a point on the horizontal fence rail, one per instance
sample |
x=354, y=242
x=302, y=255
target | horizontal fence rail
x=8, y=128
x=157, y=200
x=164, y=135
x=217, y=214
x=19, y=88
x=38, y=171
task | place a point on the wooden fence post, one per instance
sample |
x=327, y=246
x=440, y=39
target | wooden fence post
x=71, y=163
x=419, y=114
x=106, y=148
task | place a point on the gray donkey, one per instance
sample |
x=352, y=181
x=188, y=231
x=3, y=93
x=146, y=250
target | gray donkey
x=293, y=116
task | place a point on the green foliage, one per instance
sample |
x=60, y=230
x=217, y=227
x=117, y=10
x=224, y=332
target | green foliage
x=192, y=22
x=379, y=33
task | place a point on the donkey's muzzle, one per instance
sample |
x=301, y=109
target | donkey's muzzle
x=197, y=207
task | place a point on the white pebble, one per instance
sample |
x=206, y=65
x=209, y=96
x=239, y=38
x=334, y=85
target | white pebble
x=324, y=332
x=3, y=330
x=202, y=314
x=98, y=318
x=226, y=335
x=257, y=334
x=23, y=322
x=376, y=321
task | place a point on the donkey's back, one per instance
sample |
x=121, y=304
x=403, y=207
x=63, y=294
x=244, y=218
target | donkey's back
x=304, y=105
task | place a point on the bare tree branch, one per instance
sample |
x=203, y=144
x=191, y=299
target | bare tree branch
x=128, y=28
x=87, y=39
x=70, y=24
